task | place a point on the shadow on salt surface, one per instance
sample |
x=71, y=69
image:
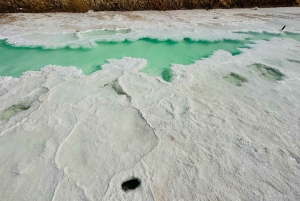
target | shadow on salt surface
x=253, y=36
x=160, y=55
x=235, y=79
x=266, y=72
x=294, y=61
x=15, y=107
x=13, y=110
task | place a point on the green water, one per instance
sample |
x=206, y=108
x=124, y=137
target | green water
x=159, y=54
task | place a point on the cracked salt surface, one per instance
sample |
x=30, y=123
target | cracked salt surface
x=198, y=137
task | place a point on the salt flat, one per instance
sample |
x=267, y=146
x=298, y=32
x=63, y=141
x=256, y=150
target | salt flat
x=224, y=128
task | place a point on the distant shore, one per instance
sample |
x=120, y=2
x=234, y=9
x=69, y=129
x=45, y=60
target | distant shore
x=40, y=6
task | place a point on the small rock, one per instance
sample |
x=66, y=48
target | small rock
x=131, y=184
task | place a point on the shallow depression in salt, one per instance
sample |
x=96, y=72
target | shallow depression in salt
x=150, y=105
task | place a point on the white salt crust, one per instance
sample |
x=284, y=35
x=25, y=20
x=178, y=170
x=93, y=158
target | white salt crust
x=53, y=30
x=66, y=136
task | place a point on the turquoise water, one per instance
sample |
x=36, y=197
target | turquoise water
x=159, y=54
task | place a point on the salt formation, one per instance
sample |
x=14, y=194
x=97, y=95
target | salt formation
x=53, y=30
x=66, y=136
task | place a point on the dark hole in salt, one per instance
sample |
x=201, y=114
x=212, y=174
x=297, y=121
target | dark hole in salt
x=131, y=184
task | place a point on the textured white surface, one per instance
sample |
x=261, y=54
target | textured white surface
x=59, y=29
x=196, y=138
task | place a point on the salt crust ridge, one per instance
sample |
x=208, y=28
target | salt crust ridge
x=196, y=138
x=55, y=30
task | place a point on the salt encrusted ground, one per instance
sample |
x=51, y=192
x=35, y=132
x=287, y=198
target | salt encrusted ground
x=226, y=127
x=44, y=29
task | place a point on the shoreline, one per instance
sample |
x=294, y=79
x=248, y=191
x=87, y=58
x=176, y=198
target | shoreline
x=20, y=29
